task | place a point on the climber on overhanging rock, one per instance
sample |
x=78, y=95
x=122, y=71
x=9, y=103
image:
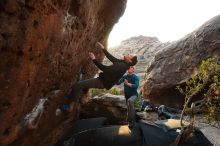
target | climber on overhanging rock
x=106, y=79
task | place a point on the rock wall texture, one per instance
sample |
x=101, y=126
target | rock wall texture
x=44, y=47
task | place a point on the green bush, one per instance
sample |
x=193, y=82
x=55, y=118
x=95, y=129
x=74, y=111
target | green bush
x=96, y=92
x=138, y=102
x=114, y=91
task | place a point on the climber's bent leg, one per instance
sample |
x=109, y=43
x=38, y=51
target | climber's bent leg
x=84, y=85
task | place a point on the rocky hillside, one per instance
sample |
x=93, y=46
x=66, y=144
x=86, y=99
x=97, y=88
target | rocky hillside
x=144, y=47
x=44, y=47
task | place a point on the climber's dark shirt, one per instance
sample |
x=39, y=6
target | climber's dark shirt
x=110, y=75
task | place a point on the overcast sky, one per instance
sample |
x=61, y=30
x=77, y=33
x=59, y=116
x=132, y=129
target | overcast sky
x=168, y=20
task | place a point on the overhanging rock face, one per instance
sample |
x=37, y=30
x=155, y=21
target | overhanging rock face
x=178, y=61
x=44, y=49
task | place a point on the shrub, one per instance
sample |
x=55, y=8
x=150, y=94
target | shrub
x=208, y=80
x=96, y=92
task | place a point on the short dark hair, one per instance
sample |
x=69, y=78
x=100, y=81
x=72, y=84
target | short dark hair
x=134, y=61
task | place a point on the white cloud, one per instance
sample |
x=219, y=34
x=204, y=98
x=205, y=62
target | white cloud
x=168, y=20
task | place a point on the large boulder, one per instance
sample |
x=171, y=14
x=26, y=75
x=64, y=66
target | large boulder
x=113, y=107
x=44, y=49
x=177, y=62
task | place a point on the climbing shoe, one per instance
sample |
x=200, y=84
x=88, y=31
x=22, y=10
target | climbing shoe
x=58, y=111
x=63, y=108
